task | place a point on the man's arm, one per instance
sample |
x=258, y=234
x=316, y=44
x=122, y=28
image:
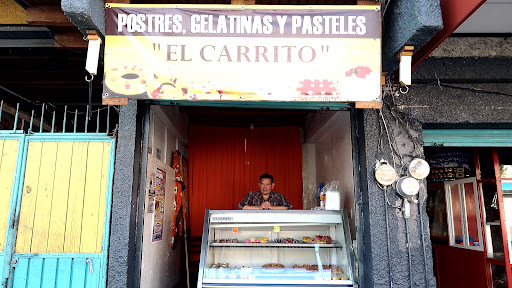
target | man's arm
x=247, y=207
x=284, y=203
x=245, y=203
x=278, y=208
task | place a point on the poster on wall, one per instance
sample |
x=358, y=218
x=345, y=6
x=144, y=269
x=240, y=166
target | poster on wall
x=151, y=188
x=243, y=53
x=158, y=230
x=159, y=202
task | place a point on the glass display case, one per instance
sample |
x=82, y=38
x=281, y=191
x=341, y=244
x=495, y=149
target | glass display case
x=292, y=248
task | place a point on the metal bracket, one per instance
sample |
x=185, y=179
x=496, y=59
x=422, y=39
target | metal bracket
x=405, y=70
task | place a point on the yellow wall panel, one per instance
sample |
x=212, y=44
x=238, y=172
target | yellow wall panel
x=92, y=198
x=60, y=197
x=103, y=195
x=12, y=13
x=76, y=198
x=63, y=198
x=44, y=198
x=8, y=153
x=29, y=197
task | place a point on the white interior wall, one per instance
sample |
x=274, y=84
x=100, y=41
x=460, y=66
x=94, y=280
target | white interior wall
x=330, y=135
x=309, y=182
x=161, y=265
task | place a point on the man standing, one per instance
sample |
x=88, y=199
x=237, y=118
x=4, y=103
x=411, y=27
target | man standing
x=265, y=198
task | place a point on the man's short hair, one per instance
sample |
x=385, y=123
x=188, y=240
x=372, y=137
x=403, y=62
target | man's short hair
x=267, y=176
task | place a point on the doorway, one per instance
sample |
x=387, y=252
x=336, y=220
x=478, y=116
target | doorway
x=301, y=148
x=470, y=232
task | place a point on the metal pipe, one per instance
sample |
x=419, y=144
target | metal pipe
x=108, y=118
x=86, y=119
x=31, y=121
x=76, y=115
x=98, y=122
x=16, y=117
x=53, y=122
x=42, y=119
x=64, y=121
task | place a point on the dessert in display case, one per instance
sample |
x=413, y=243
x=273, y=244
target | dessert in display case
x=292, y=248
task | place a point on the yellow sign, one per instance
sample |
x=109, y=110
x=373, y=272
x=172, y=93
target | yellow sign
x=277, y=228
x=243, y=53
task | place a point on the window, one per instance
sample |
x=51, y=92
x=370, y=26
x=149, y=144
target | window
x=463, y=208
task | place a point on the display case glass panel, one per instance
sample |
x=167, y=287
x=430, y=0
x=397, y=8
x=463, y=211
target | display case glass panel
x=290, y=248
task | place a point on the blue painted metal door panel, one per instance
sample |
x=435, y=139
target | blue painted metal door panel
x=34, y=259
x=53, y=270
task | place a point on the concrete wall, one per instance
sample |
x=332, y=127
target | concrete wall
x=122, y=252
x=461, y=92
x=474, y=47
x=327, y=158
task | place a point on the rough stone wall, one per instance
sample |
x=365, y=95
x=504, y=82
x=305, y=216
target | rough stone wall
x=407, y=22
x=400, y=247
x=85, y=14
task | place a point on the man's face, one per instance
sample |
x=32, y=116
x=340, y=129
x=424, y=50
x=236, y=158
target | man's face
x=266, y=186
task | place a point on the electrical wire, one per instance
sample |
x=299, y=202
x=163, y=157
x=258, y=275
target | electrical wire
x=393, y=151
x=16, y=94
x=473, y=89
x=408, y=251
x=420, y=204
x=389, y=203
x=389, y=241
x=73, y=112
x=67, y=48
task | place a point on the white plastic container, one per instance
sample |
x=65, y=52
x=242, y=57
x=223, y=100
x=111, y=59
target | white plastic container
x=332, y=200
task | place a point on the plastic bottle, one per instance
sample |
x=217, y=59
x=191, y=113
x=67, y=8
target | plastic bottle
x=322, y=200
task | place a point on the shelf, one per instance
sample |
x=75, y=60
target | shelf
x=292, y=245
x=499, y=283
x=487, y=180
x=495, y=261
x=277, y=280
x=493, y=223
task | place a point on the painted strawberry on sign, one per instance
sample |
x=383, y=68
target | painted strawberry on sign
x=359, y=71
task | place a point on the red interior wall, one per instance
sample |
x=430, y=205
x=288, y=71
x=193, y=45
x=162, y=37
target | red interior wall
x=225, y=163
x=457, y=267
x=471, y=211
